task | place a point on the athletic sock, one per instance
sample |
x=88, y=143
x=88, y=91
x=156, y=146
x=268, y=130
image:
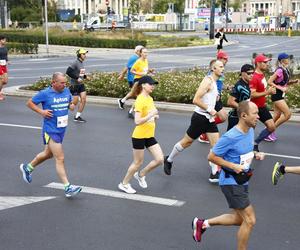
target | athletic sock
x=29, y=167
x=263, y=134
x=282, y=169
x=131, y=110
x=218, y=120
x=123, y=100
x=67, y=185
x=206, y=224
x=77, y=114
x=176, y=150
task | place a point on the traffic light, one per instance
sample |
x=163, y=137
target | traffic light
x=223, y=6
x=108, y=10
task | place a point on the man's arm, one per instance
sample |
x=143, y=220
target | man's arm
x=221, y=162
x=45, y=113
x=122, y=74
x=231, y=102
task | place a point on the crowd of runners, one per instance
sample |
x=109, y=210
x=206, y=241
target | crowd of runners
x=231, y=154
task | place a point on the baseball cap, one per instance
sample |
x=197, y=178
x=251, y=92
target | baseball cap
x=246, y=68
x=147, y=79
x=81, y=51
x=262, y=58
x=222, y=55
x=138, y=48
x=282, y=56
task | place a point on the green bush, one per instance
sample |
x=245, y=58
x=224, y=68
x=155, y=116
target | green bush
x=174, y=86
x=73, y=41
x=23, y=48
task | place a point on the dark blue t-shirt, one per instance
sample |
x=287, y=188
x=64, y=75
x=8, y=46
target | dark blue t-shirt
x=58, y=102
x=236, y=147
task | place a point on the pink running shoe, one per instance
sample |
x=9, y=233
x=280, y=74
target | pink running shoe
x=273, y=136
x=269, y=138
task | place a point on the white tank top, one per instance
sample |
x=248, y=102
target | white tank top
x=209, y=99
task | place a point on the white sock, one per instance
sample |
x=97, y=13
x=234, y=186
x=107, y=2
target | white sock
x=206, y=224
x=214, y=167
x=123, y=100
x=176, y=150
x=77, y=114
x=131, y=110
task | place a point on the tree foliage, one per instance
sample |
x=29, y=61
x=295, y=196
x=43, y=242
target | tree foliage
x=161, y=6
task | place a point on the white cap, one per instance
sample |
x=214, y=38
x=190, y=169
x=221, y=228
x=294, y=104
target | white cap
x=138, y=48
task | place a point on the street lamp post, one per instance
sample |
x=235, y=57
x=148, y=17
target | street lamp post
x=212, y=19
x=46, y=27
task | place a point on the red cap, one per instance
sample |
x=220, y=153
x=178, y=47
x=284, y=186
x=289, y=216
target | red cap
x=222, y=55
x=262, y=58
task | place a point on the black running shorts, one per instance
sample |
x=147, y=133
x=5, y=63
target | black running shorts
x=142, y=143
x=277, y=96
x=219, y=105
x=264, y=114
x=76, y=89
x=236, y=196
x=200, y=125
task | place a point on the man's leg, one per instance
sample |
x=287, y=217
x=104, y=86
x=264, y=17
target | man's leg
x=213, y=138
x=82, y=103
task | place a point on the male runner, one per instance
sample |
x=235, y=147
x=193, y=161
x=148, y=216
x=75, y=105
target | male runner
x=3, y=65
x=280, y=170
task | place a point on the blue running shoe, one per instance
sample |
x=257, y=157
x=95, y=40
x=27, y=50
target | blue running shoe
x=26, y=173
x=72, y=191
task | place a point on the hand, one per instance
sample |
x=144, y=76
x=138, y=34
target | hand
x=156, y=117
x=153, y=112
x=238, y=168
x=47, y=113
x=213, y=112
x=79, y=80
x=121, y=77
x=284, y=89
x=271, y=91
x=72, y=106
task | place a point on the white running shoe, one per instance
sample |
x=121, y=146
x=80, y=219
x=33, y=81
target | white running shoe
x=127, y=188
x=141, y=180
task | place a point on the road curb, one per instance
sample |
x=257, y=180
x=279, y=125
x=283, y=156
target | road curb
x=110, y=101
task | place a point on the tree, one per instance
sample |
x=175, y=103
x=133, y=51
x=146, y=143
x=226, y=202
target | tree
x=134, y=6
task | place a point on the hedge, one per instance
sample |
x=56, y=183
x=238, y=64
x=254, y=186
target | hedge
x=174, y=86
x=23, y=48
x=73, y=41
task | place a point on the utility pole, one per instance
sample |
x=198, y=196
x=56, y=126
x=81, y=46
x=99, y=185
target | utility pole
x=3, y=13
x=212, y=19
x=46, y=26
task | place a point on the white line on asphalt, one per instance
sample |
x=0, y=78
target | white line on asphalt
x=283, y=156
x=121, y=195
x=19, y=126
x=29, y=77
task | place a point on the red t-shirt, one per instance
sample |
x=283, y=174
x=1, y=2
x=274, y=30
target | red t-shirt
x=259, y=83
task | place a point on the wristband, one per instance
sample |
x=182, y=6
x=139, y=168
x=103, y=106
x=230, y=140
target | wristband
x=209, y=109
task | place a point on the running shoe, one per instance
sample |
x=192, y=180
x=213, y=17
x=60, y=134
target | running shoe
x=141, y=180
x=276, y=175
x=255, y=148
x=167, y=166
x=214, y=178
x=130, y=115
x=197, y=229
x=126, y=188
x=72, y=190
x=269, y=138
x=79, y=119
x=121, y=104
x=27, y=177
x=203, y=138
x=274, y=136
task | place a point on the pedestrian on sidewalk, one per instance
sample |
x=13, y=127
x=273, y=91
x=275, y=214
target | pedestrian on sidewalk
x=234, y=152
x=3, y=65
x=76, y=71
x=55, y=100
x=143, y=136
x=220, y=37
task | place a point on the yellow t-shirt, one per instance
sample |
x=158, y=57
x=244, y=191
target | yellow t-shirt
x=144, y=105
x=140, y=66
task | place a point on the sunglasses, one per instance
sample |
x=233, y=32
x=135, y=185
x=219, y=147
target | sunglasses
x=249, y=73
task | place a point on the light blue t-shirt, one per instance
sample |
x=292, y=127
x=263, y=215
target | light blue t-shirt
x=59, y=104
x=236, y=147
x=131, y=61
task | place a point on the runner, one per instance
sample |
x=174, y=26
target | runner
x=280, y=80
x=55, y=100
x=143, y=136
x=240, y=92
x=130, y=76
x=3, y=65
x=202, y=120
x=76, y=72
x=220, y=37
x=234, y=152
x=280, y=170
x=259, y=91
x=221, y=113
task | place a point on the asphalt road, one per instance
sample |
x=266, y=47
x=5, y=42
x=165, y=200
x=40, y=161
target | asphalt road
x=97, y=155
x=26, y=71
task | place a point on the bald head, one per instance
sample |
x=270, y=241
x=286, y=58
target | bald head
x=57, y=75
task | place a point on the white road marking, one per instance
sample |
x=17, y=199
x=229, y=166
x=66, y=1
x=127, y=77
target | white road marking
x=19, y=126
x=121, y=195
x=16, y=201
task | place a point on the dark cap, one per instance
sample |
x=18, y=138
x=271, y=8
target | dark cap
x=147, y=79
x=246, y=68
x=282, y=56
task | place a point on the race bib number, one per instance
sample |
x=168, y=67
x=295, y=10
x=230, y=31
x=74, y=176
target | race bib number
x=246, y=159
x=82, y=72
x=264, y=82
x=2, y=62
x=62, y=121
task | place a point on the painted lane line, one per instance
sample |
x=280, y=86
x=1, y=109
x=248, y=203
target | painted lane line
x=16, y=201
x=283, y=156
x=121, y=195
x=19, y=126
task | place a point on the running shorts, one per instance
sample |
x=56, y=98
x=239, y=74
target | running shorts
x=76, y=89
x=200, y=125
x=3, y=69
x=236, y=195
x=232, y=121
x=142, y=143
x=264, y=114
x=56, y=137
x=279, y=95
x=219, y=105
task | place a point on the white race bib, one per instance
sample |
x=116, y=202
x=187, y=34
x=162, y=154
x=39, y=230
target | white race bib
x=62, y=121
x=264, y=82
x=246, y=160
x=2, y=62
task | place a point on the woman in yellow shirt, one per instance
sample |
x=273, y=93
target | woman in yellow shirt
x=143, y=136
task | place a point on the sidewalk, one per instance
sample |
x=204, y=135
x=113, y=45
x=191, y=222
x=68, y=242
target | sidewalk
x=162, y=106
